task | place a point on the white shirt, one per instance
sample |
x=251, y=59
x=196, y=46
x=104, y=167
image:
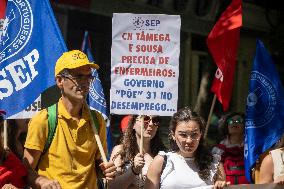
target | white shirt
x=182, y=173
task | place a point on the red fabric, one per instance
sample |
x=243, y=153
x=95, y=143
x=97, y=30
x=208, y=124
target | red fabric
x=223, y=43
x=124, y=122
x=2, y=8
x=234, y=164
x=13, y=172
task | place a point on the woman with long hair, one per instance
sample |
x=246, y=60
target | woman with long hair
x=231, y=149
x=132, y=165
x=189, y=164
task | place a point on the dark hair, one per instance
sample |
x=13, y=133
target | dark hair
x=203, y=157
x=13, y=129
x=223, y=125
x=3, y=152
x=129, y=142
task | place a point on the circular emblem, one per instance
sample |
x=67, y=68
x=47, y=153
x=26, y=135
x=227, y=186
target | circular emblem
x=95, y=92
x=138, y=22
x=17, y=28
x=261, y=101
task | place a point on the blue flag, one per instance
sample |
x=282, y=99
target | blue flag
x=96, y=98
x=30, y=45
x=265, y=108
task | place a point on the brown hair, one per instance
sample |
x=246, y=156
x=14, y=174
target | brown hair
x=203, y=158
x=129, y=142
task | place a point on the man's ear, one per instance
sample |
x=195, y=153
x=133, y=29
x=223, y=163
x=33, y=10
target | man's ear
x=59, y=81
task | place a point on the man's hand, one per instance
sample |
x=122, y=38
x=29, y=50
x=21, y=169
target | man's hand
x=109, y=170
x=45, y=183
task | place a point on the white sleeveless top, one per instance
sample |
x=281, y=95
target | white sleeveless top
x=182, y=173
x=278, y=162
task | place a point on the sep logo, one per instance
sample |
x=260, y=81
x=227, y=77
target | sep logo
x=261, y=102
x=138, y=22
x=145, y=24
x=17, y=29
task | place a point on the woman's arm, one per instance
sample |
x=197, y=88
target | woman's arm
x=154, y=173
x=220, y=177
x=266, y=170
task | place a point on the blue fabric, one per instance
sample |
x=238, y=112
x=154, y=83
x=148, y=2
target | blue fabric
x=96, y=98
x=265, y=108
x=30, y=45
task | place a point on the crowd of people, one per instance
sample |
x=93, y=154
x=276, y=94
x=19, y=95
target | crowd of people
x=61, y=147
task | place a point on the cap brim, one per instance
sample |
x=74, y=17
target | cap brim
x=93, y=65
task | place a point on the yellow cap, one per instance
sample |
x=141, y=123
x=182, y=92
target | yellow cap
x=71, y=60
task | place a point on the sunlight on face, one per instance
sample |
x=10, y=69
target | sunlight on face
x=187, y=136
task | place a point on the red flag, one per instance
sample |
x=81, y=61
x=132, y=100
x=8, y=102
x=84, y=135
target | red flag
x=223, y=43
x=2, y=8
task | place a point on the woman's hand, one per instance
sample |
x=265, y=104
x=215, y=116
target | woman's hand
x=219, y=184
x=138, y=163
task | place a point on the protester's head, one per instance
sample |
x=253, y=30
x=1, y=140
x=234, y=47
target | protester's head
x=186, y=138
x=133, y=131
x=71, y=60
x=73, y=74
x=17, y=132
x=186, y=132
x=232, y=124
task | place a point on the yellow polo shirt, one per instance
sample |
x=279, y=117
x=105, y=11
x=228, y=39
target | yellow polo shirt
x=71, y=157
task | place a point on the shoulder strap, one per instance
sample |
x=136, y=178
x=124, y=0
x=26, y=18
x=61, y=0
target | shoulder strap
x=52, y=124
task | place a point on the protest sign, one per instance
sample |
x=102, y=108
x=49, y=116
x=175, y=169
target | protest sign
x=145, y=64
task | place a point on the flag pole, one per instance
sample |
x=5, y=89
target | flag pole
x=97, y=137
x=141, y=135
x=209, y=116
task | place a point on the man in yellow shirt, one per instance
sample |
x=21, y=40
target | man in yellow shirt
x=72, y=158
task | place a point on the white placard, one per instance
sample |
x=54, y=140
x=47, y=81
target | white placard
x=145, y=64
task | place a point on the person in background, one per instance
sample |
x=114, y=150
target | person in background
x=12, y=171
x=189, y=164
x=17, y=132
x=231, y=149
x=272, y=165
x=132, y=165
x=73, y=157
